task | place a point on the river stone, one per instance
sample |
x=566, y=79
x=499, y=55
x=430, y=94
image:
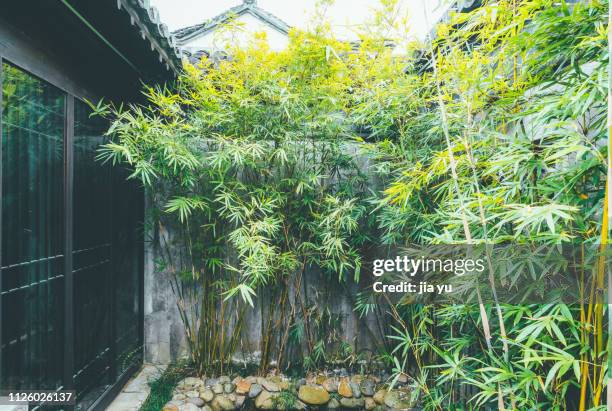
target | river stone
x=319, y=379
x=206, y=408
x=352, y=402
x=264, y=401
x=331, y=384
x=228, y=387
x=243, y=387
x=240, y=401
x=193, y=381
x=207, y=394
x=355, y=389
x=217, y=388
x=186, y=383
x=370, y=404
x=357, y=378
x=343, y=372
x=251, y=379
x=402, y=379
x=269, y=385
x=221, y=402
x=198, y=402
x=254, y=390
x=367, y=387
x=179, y=397
x=283, y=407
x=223, y=379
x=192, y=394
x=398, y=400
x=379, y=397
x=344, y=389
x=210, y=382
x=188, y=407
x=333, y=404
x=313, y=395
x=170, y=407
x=300, y=382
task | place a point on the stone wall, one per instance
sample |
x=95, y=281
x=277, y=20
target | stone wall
x=276, y=392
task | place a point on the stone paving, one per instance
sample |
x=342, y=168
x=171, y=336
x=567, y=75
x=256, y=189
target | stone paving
x=136, y=391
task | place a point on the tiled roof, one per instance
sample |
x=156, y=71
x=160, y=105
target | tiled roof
x=247, y=7
x=146, y=17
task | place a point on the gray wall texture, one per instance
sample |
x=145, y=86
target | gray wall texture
x=164, y=336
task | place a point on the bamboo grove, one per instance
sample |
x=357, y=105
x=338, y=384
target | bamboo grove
x=265, y=165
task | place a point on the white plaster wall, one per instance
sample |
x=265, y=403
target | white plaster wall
x=248, y=24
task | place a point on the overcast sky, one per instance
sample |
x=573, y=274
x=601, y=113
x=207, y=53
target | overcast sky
x=344, y=15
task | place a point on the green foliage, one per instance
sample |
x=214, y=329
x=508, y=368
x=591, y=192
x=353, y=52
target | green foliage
x=493, y=133
x=162, y=387
x=254, y=163
x=286, y=399
x=525, y=139
x=502, y=141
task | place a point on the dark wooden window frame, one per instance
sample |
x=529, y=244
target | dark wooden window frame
x=27, y=57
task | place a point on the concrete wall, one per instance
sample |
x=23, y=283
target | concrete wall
x=164, y=335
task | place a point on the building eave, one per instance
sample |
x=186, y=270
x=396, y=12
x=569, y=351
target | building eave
x=146, y=18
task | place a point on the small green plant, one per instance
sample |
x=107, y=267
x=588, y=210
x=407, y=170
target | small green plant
x=286, y=399
x=162, y=387
x=335, y=396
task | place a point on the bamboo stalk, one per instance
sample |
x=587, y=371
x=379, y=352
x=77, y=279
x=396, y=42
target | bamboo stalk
x=584, y=337
x=455, y=177
x=483, y=223
x=598, y=306
x=285, y=336
x=398, y=318
x=608, y=207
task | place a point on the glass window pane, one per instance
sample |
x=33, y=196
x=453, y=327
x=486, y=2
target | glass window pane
x=107, y=265
x=127, y=254
x=91, y=258
x=32, y=231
